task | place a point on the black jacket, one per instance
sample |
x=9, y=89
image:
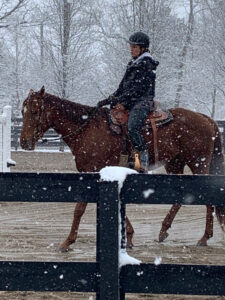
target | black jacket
x=138, y=83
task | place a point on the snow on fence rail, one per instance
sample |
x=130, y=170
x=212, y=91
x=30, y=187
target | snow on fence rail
x=5, y=140
x=104, y=277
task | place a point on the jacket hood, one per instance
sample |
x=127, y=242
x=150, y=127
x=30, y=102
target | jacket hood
x=144, y=55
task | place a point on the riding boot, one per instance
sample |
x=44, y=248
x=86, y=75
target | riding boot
x=144, y=161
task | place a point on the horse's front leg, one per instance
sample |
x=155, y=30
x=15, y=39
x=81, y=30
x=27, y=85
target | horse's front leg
x=78, y=213
x=208, y=226
x=130, y=233
x=167, y=222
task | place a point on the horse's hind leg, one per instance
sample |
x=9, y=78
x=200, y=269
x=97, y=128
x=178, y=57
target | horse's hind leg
x=78, y=213
x=203, y=168
x=175, y=166
x=208, y=226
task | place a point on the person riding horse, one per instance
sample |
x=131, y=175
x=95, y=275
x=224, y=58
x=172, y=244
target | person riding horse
x=136, y=92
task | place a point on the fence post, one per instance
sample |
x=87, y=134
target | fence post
x=108, y=241
x=123, y=225
x=5, y=138
x=123, y=236
x=61, y=145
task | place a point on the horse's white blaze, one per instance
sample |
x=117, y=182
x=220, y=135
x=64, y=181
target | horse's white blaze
x=25, y=109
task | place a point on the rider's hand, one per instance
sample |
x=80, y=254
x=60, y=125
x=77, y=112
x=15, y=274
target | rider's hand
x=103, y=103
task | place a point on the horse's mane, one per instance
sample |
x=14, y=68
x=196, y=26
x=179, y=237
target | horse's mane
x=72, y=111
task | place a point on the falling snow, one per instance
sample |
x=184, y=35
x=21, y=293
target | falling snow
x=148, y=192
x=158, y=260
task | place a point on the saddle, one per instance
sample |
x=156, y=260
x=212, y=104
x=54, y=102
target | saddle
x=119, y=118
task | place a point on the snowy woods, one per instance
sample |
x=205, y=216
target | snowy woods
x=78, y=49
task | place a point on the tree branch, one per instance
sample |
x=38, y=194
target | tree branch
x=7, y=14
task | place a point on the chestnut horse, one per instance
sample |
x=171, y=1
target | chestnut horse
x=190, y=139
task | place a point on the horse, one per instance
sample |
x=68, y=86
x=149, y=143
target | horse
x=191, y=139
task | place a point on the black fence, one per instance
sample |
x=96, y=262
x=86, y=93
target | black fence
x=221, y=124
x=17, y=125
x=104, y=277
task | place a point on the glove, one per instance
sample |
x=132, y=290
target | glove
x=103, y=102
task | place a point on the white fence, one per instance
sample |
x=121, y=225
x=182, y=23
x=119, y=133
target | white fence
x=5, y=140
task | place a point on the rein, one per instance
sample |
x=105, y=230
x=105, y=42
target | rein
x=72, y=133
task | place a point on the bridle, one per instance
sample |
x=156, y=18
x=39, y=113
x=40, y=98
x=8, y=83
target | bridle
x=46, y=140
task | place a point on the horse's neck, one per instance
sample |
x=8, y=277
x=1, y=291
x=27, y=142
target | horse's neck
x=67, y=116
x=69, y=119
x=64, y=127
x=90, y=140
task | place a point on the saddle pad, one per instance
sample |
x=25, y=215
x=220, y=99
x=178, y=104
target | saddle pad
x=160, y=117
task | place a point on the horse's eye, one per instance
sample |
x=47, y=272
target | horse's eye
x=34, y=113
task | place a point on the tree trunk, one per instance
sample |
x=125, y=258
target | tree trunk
x=17, y=83
x=65, y=44
x=213, y=103
x=190, y=27
x=42, y=45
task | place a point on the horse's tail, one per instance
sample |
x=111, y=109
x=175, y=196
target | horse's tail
x=217, y=168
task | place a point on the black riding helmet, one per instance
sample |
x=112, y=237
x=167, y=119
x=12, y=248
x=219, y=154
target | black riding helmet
x=139, y=38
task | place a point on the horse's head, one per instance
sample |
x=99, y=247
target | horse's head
x=35, y=119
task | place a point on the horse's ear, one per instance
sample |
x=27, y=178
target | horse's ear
x=31, y=92
x=42, y=91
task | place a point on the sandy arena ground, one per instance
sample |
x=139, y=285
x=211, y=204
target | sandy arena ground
x=33, y=231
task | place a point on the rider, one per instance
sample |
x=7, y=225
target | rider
x=136, y=92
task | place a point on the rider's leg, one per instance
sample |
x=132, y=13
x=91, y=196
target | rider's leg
x=138, y=115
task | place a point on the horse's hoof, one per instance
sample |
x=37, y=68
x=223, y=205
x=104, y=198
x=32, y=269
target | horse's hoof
x=129, y=245
x=163, y=236
x=201, y=243
x=62, y=249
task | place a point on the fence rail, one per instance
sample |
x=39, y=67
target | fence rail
x=221, y=124
x=17, y=125
x=104, y=277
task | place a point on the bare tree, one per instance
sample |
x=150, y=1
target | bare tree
x=183, y=54
x=7, y=9
x=214, y=24
x=66, y=45
x=12, y=13
x=154, y=17
x=66, y=24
